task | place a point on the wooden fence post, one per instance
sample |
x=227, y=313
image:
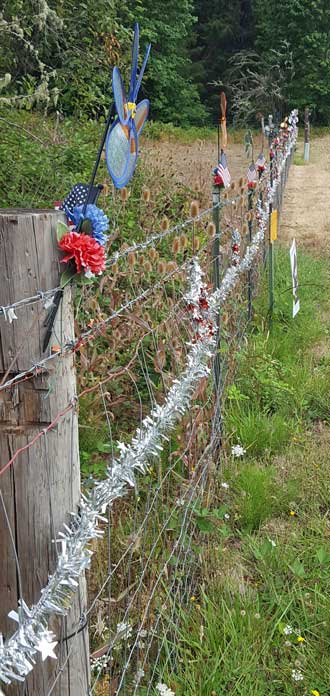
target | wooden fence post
x=42, y=487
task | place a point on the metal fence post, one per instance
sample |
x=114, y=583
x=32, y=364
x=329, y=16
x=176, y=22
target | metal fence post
x=307, y=131
x=216, y=198
x=250, y=226
x=271, y=253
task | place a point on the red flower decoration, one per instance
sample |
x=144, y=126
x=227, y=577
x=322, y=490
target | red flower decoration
x=87, y=253
x=203, y=303
x=252, y=184
x=218, y=181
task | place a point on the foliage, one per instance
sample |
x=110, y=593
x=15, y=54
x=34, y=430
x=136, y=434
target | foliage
x=279, y=385
x=174, y=97
x=258, y=82
x=223, y=29
x=264, y=54
x=261, y=613
x=30, y=32
x=54, y=52
x=305, y=27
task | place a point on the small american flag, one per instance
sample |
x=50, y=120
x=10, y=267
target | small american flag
x=251, y=173
x=78, y=194
x=261, y=162
x=222, y=170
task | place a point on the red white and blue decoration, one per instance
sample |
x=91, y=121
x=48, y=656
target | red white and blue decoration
x=261, y=162
x=221, y=173
x=251, y=176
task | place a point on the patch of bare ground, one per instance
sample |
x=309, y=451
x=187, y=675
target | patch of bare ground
x=305, y=214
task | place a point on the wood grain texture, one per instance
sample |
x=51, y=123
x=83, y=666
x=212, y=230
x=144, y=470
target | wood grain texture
x=43, y=485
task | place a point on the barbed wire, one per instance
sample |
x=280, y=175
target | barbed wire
x=44, y=295
x=181, y=549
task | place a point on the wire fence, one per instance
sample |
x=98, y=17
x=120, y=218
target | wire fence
x=161, y=339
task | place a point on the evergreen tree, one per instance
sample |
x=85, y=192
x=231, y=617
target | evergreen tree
x=168, y=81
x=305, y=26
x=222, y=29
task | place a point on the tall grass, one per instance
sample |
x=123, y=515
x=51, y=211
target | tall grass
x=260, y=623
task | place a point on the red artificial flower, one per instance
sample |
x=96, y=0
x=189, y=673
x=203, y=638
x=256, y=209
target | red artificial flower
x=203, y=303
x=87, y=253
x=218, y=181
x=251, y=184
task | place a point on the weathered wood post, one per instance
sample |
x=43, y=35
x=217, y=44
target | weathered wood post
x=42, y=486
x=307, y=131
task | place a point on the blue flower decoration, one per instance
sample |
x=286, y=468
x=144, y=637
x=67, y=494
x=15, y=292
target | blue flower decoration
x=99, y=221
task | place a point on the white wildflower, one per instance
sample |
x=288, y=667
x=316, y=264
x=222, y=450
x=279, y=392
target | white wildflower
x=297, y=675
x=226, y=516
x=142, y=633
x=287, y=630
x=124, y=630
x=139, y=675
x=225, y=485
x=238, y=451
x=164, y=690
x=272, y=542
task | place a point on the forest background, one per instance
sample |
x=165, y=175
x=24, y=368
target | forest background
x=266, y=55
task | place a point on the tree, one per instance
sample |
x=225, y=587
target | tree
x=168, y=82
x=305, y=26
x=27, y=30
x=223, y=29
x=257, y=83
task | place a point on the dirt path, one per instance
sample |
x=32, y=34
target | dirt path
x=305, y=213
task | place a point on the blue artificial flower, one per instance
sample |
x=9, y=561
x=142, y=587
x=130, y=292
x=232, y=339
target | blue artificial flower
x=99, y=221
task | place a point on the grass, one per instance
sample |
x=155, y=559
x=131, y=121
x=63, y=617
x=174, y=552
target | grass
x=281, y=383
x=260, y=623
x=299, y=160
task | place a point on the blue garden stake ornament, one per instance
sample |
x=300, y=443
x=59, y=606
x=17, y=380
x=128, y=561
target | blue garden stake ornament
x=120, y=139
x=121, y=147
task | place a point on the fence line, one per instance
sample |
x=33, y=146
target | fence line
x=17, y=654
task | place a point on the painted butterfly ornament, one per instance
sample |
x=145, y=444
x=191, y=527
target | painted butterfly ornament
x=121, y=147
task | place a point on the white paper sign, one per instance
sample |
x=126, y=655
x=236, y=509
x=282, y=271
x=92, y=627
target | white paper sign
x=294, y=274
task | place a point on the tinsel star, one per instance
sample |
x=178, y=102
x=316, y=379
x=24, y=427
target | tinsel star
x=46, y=647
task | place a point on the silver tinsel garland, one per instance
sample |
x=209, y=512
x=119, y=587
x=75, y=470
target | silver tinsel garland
x=18, y=654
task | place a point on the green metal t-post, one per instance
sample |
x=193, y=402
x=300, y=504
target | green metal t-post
x=271, y=257
x=216, y=197
x=250, y=225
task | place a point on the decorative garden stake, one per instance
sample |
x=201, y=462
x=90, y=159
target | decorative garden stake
x=251, y=184
x=85, y=253
x=121, y=147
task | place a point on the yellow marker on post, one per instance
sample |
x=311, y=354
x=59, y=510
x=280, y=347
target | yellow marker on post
x=273, y=225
